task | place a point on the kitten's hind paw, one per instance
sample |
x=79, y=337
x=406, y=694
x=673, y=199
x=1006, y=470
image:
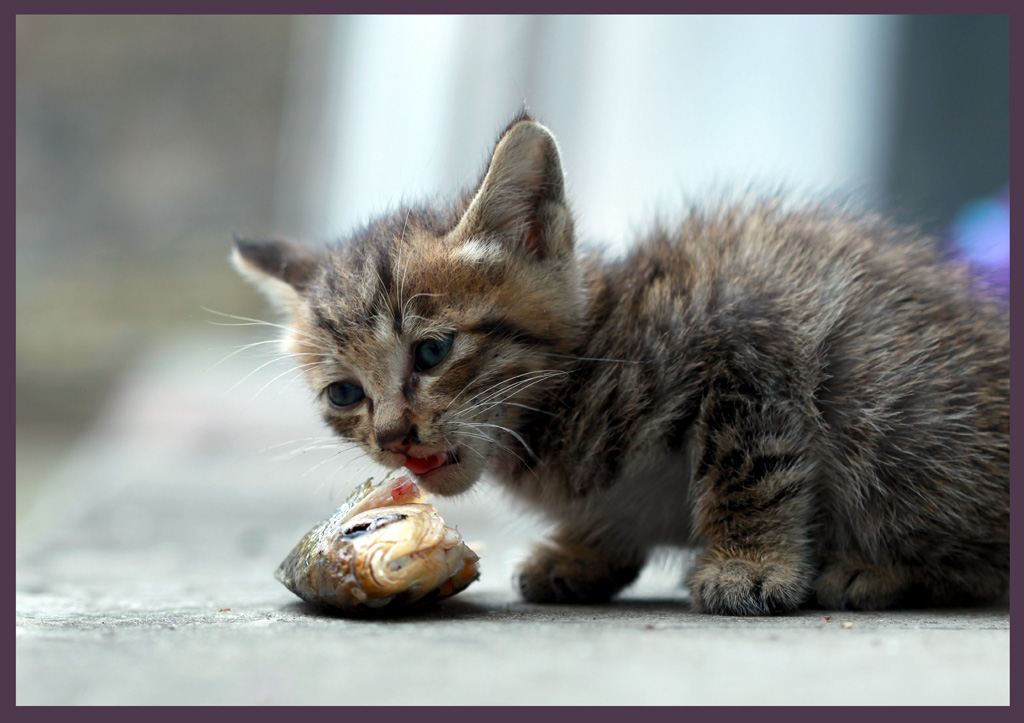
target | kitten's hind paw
x=742, y=586
x=553, y=576
x=861, y=586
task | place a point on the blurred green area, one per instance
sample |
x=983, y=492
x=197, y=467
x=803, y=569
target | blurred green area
x=143, y=144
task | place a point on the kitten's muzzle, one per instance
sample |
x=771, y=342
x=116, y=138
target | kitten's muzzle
x=397, y=439
x=421, y=459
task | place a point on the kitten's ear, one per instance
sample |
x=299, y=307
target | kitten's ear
x=522, y=197
x=283, y=270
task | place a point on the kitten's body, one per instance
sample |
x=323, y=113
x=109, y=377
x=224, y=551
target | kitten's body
x=816, y=400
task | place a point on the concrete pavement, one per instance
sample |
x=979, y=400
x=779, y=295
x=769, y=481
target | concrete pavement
x=145, y=576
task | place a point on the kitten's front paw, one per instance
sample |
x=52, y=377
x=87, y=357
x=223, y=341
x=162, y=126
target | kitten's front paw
x=553, y=576
x=741, y=586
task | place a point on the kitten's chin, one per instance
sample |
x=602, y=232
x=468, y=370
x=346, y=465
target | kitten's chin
x=451, y=479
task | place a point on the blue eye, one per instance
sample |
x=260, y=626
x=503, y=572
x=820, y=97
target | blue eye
x=431, y=352
x=343, y=394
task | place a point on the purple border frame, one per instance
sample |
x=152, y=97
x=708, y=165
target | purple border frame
x=507, y=714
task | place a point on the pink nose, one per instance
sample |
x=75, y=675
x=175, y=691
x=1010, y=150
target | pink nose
x=396, y=440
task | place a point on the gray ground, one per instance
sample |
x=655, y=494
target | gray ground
x=145, y=577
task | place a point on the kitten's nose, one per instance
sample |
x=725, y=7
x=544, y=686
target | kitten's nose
x=397, y=439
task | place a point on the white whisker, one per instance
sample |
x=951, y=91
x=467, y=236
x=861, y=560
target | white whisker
x=297, y=441
x=387, y=297
x=334, y=456
x=261, y=366
x=310, y=448
x=510, y=389
x=476, y=397
x=515, y=404
x=408, y=301
x=350, y=463
x=401, y=252
x=504, y=429
x=293, y=370
x=255, y=322
x=491, y=440
x=590, y=358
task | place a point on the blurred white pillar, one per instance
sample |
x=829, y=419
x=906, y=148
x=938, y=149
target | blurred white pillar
x=649, y=111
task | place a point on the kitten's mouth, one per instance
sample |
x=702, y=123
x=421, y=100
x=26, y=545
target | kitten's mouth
x=422, y=466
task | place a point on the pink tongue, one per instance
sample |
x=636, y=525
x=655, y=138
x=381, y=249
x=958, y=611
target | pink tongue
x=422, y=466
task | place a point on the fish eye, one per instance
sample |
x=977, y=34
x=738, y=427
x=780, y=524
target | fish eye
x=431, y=352
x=363, y=528
x=344, y=394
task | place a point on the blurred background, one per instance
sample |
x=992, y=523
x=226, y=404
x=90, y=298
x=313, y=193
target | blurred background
x=145, y=143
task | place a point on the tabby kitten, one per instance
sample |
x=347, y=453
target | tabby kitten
x=815, y=399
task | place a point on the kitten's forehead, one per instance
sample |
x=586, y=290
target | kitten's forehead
x=381, y=291
x=403, y=282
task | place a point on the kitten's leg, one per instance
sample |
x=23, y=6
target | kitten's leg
x=570, y=568
x=753, y=506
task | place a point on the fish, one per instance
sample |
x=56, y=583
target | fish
x=383, y=550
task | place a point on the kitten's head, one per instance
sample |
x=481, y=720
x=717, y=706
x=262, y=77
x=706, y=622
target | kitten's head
x=428, y=334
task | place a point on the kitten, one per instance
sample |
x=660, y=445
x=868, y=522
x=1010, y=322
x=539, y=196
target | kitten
x=815, y=399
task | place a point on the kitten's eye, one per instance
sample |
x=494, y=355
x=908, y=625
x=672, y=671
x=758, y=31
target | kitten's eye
x=431, y=352
x=344, y=394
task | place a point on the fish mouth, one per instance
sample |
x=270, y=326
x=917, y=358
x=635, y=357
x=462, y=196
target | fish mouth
x=434, y=466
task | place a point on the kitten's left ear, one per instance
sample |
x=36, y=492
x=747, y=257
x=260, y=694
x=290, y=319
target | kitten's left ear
x=522, y=197
x=283, y=270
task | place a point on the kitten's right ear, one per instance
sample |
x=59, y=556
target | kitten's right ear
x=283, y=270
x=521, y=199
